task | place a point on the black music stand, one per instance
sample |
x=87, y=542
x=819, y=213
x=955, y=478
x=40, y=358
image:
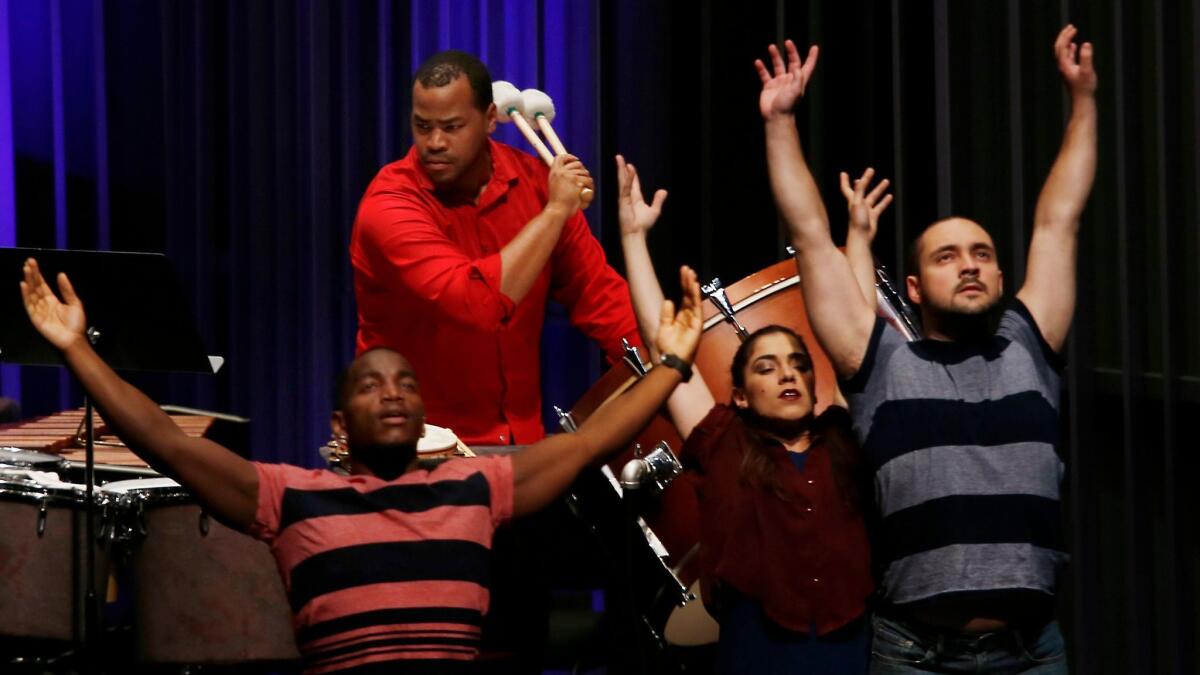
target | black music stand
x=137, y=320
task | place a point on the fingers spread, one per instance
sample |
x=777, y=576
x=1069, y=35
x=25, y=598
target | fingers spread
x=847, y=191
x=879, y=190
x=67, y=289
x=810, y=63
x=762, y=71
x=660, y=196
x=776, y=61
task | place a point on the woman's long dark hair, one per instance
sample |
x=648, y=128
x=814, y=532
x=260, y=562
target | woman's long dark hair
x=757, y=468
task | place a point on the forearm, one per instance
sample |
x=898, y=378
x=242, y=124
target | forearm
x=547, y=468
x=134, y=418
x=1070, y=181
x=616, y=423
x=644, y=288
x=225, y=484
x=795, y=192
x=862, y=263
x=523, y=258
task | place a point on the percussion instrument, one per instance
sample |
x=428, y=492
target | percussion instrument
x=42, y=553
x=203, y=593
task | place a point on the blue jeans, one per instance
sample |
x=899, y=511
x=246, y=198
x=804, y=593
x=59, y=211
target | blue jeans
x=900, y=648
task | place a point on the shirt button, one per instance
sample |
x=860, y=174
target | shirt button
x=811, y=481
x=816, y=580
x=501, y=438
x=808, y=509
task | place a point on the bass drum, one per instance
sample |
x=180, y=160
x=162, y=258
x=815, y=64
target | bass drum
x=771, y=296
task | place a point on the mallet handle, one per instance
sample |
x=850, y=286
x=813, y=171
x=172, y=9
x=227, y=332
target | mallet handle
x=531, y=136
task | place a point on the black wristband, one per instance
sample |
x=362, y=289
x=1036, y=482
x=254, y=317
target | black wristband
x=672, y=361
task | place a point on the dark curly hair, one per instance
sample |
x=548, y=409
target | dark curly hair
x=445, y=67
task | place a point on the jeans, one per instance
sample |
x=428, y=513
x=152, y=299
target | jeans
x=900, y=648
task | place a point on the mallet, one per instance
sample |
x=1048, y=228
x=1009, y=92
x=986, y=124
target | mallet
x=509, y=104
x=540, y=106
x=510, y=107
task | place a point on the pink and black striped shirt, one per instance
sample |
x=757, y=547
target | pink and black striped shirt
x=385, y=576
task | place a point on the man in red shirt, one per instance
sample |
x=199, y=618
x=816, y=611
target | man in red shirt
x=456, y=249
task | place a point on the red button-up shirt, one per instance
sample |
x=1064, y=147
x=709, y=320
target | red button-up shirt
x=427, y=281
x=804, y=556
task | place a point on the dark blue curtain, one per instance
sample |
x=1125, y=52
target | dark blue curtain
x=237, y=138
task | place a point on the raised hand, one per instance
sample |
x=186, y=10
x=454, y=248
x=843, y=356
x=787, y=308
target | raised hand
x=786, y=85
x=61, y=323
x=1079, y=75
x=679, y=332
x=865, y=207
x=634, y=213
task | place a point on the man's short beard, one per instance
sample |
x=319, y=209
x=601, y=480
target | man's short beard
x=386, y=460
x=967, y=323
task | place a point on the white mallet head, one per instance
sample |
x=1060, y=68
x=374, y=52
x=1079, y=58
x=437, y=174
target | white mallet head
x=538, y=102
x=506, y=97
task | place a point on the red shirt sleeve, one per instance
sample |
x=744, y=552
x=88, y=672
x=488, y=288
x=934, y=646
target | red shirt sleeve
x=596, y=297
x=404, y=247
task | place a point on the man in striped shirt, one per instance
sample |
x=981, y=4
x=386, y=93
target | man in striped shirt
x=386, y=569
x=960, y=428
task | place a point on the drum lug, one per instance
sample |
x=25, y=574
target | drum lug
x=715, y=292
x=565, y=420
x=142, y=529
x=41, y=521
x=633, y=358
x=204, y=524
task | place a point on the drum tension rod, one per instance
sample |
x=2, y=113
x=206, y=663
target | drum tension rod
x=715, y=292
x=633, y=358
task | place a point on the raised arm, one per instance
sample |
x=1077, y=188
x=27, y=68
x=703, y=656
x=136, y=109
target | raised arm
x=223, y=483
x=692, y=400
x=542, y=471
x=864, y=209
x=840, y=317
x=1049, y=290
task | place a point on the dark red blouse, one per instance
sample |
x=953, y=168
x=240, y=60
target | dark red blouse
x=805, y=558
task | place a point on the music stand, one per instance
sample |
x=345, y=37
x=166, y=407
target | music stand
x=137, y=320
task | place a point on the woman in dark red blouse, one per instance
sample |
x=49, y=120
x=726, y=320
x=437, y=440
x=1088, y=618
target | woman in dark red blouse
x=784, y=557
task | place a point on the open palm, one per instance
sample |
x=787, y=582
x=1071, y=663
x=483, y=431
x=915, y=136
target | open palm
x=634, y=214
x=782, y=88
x=61, y=323
x=679, y=332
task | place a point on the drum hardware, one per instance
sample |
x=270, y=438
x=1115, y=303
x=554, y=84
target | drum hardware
x=715, y=292
x=659, y=466
x=893, y=307
x=565, y=420
x=633, y=358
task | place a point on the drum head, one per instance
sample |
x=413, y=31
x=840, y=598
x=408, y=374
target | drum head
x=158, y=489
x=29, y=459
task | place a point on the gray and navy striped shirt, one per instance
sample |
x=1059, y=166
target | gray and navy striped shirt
x=961, y=439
